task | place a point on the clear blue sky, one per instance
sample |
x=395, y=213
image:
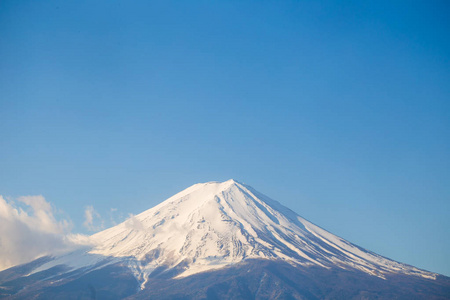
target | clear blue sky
x=339, y=111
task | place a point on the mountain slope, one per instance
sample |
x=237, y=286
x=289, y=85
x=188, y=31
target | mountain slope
x=216, y=226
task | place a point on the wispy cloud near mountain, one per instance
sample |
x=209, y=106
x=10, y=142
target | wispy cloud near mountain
x=93, y=221
x=29, y=229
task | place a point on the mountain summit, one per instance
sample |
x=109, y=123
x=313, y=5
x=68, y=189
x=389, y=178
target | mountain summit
x=212, y=228
x=211, y=225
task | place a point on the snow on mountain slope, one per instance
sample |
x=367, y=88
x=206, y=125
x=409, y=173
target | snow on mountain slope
x=211, y=225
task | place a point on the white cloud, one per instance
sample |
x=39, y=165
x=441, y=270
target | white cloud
x=29, y=229
x=93, y=221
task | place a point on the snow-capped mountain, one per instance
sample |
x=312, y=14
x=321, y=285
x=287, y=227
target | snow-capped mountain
x=213, y=226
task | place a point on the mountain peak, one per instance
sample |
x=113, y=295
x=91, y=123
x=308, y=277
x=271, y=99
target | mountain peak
x=200, y=193
x=220, y=225
x=216, y=224
x=219, y=184
x=232, y=181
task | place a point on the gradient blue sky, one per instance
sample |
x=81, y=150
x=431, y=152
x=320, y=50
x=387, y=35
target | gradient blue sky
x=339, y=111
